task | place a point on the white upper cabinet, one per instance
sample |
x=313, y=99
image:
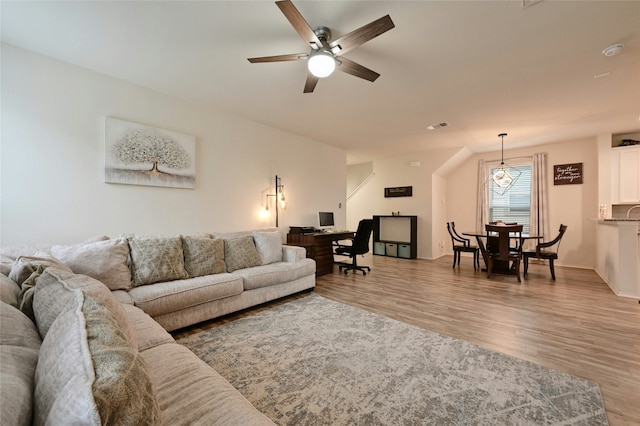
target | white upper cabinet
x=625, y=179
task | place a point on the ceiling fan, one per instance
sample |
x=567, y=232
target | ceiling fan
x=326, y=55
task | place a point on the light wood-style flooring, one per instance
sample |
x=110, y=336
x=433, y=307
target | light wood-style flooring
x=576, y=324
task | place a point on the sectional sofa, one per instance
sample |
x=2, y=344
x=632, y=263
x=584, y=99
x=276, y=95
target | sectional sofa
x=84, y=328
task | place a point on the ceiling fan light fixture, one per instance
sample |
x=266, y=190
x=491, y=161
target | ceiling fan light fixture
x=321, y=63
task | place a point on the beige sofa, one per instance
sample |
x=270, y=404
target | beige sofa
x=90, y=324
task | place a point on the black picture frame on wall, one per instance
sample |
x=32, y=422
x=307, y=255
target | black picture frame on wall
x=398, y=191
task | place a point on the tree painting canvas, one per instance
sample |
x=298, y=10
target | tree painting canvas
x=136, y=154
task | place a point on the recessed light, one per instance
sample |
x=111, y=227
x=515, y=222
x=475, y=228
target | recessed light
x=437, y=126
x=613, y=50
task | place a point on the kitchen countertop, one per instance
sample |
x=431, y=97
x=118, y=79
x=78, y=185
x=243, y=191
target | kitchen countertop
x=621, y=220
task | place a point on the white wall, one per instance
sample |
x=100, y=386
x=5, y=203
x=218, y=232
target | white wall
x=573, y=205
x=52, y=161
x=398, y=171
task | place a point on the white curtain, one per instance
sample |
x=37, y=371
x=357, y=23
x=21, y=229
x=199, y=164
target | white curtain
x=539, y=224
x=482, y=209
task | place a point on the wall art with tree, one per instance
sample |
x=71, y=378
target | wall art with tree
x=142, y=155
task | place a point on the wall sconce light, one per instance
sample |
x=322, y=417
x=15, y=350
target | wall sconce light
x=504, y=176
x=280, y=200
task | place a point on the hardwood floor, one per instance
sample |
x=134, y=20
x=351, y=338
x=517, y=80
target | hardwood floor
x=576, y=324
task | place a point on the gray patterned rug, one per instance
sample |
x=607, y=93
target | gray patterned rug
x=313, y=361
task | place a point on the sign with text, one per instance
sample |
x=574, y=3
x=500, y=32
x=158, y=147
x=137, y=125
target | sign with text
x=399, y=191
x=567, y=174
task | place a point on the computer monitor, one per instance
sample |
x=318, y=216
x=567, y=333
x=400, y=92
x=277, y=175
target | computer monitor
x=325, y=219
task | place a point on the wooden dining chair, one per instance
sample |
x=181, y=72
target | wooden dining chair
x=548, y=251
x=461, y=244
x=499, y=248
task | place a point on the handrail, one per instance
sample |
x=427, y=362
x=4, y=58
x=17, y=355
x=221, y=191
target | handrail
x=363, y=183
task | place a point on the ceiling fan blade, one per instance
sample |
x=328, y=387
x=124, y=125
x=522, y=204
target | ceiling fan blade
x=310, y=84
x=278, y=58
x=353, y=68
x=362, y=35
x=299, y=23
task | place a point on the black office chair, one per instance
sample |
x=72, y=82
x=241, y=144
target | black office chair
x=461, y=244
x=359, y=246
x=545, y=251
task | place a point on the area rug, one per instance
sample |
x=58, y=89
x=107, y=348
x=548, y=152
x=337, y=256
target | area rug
x=313, y=361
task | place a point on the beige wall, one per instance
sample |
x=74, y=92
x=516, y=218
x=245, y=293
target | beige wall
x=52, y=161
x=445, y=189
x=573, y=205
x=399, y=171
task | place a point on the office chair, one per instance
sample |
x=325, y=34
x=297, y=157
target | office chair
x=359, y=246
x=544, y=251
x=461, y=244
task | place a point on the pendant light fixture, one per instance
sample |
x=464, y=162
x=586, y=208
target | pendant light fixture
x=503, y=177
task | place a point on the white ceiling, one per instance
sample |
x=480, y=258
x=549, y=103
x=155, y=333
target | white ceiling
x=484, y=67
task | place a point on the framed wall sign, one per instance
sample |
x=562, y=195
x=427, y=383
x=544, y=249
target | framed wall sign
x=398, y=191
x=567, y=174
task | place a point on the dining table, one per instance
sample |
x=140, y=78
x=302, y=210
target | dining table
x=501, y=267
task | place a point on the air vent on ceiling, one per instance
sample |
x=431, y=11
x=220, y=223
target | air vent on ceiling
x=437, y=126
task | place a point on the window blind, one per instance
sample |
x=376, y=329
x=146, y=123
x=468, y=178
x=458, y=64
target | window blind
x=515, y=204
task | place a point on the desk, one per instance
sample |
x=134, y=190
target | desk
x=319, y=247
x=499, y=267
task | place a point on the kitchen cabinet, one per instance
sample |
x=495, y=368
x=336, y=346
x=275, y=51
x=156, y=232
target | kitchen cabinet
x=625, y=182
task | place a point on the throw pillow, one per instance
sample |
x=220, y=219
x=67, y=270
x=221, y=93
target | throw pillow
x=24, y=266
x=203, y=256
x=53, y=293
x=104, y=260
x=156, y=259
x=25, y=271
x=269, y=246
x=88, y=371
x=240, y=253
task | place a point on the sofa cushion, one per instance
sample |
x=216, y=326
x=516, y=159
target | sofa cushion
x=9, y=290
x=148, y=332
x=89, y=372
x=240, y=253
x=269, y=246
x=171, y=296
x=20, y=342
x=275, y=273
x=156, y=259
x=203, y=256
x=55, y=290
x=189, y=392
x=5, y=264
x=104, y=260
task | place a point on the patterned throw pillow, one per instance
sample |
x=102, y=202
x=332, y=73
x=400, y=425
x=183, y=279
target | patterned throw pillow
x=240, y=253
x=156, y=259
x=108, y=384
x=269, y=245
x=203, y=256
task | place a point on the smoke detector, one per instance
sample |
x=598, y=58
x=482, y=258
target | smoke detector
x=613, y=50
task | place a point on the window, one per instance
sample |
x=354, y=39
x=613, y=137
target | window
x=515, y=204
